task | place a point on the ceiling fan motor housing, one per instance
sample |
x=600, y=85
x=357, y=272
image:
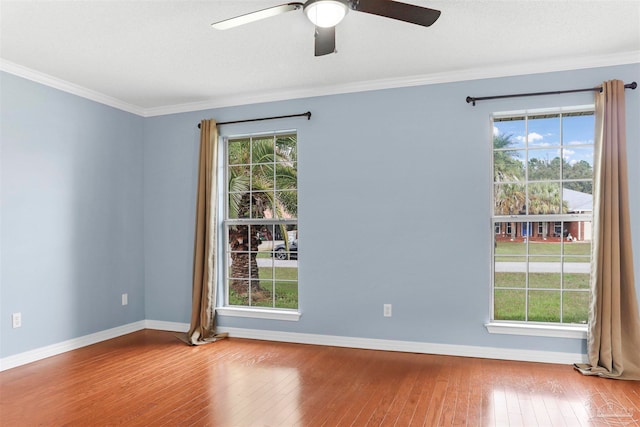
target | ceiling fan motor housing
x=326, y=13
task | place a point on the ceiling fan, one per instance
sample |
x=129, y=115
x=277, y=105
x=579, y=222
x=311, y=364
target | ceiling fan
x=326, y=14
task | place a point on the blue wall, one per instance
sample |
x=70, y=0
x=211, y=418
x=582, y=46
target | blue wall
x=394, y=208
x=71, y=214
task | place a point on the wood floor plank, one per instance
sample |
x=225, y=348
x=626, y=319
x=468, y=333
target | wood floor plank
x=151, y=378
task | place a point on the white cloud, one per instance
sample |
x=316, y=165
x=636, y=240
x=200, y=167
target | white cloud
x=496, y=131
x=533, y=136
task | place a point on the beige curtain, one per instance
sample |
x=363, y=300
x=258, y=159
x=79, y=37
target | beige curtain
x=202, y=329
x=614, y=326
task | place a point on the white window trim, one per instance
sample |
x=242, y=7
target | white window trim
x=256, y=313
x=537, y=329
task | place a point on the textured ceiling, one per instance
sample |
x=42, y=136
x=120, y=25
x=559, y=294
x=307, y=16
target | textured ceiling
x=157, y=54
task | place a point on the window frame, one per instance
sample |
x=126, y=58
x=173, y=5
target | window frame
x=224, y=307
x=528, y=327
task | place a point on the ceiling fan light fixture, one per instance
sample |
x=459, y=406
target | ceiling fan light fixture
x=325, y=13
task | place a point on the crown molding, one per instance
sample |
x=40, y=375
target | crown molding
x=502, y=70
x=65, y=86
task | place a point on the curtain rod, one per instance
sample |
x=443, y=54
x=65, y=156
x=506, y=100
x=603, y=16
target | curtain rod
x=307, y=114
x=473, y=100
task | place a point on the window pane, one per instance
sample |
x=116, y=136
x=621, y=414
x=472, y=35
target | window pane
x=509, y=166
x=573, y=280
x=509, y=199
x=509, y=279
x=265, y=235
x=578, y=162
x=286, y=293
x=262, y=150
x=544, y=131
x=266, y=267
x=286, y=177
x=545, y=198
x=544, y=165
x=575, y=307
x=509, y=304
x=261, y=204
x=287, y=148
x=507, y=248
x=549, y=280
x=544, y=306
x=287, y=206
x=238, y=151
x=578, y=129
x=545, y=250
x=509, y=132
x=576, y=201
x=238, y=292
x=579, y=251
x=262, y=175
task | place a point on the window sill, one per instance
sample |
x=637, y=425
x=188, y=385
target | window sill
x=538, y=330
x=257, y=313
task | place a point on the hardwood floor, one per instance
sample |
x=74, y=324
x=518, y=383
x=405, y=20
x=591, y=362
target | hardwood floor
x=151, y=378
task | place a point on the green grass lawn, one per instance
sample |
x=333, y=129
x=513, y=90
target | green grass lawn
x=284, y=280
x=543, y=251
x=545, y=297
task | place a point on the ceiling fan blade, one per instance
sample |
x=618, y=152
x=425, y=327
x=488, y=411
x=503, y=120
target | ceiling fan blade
x=395, y=10
x=325, y=40
x=256, y=16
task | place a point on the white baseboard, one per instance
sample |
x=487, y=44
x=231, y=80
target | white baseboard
x=68, y=345
x=161, y=325
x=301, y=338
x=410, y=346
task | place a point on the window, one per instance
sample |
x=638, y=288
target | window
x=260, y=223
x=542, y=173
x=543, y=229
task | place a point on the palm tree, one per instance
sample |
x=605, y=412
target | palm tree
x=545, y=198
x=508, y=174
x=262, y=178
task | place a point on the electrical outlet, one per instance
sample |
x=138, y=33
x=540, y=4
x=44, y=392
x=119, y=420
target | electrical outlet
x=125, y=299
x=387, y=310
x=16, y=320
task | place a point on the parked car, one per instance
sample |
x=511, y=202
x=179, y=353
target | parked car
x=280, y=251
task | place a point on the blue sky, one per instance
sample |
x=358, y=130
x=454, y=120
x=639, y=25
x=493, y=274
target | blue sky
x=548, y=137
